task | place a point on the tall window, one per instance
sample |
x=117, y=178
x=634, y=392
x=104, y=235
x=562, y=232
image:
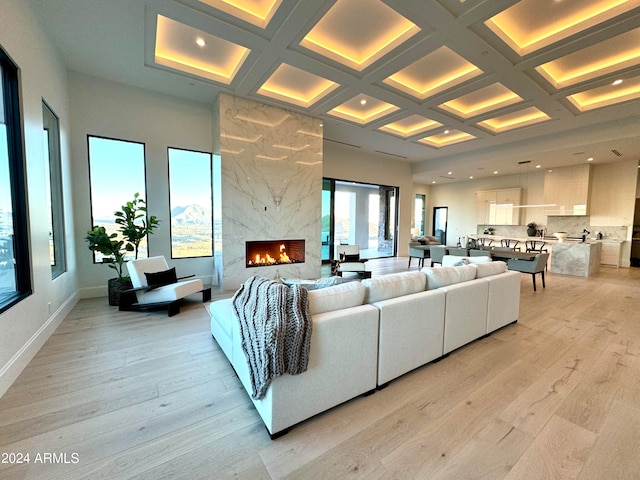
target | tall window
x=116, y=170
x=190, y=203
x=419, y=210
x=15, y=276
x=51, y=138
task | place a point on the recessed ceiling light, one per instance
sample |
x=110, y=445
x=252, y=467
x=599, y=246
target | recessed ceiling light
x=446, y=132
x=549, y=170
x=590, y=159
x=495, y=172
x=449, y=173
x=433, y=181
x=538, y=166
x=200, y=42
x=471, y=177
x=617, y=82
x=363, y=102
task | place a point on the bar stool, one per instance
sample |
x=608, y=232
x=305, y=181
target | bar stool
x=484, y=242
x=509, y=243
x=537, y=246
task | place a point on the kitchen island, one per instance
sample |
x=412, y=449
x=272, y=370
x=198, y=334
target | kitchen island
x=571, y=257
x=576, y=258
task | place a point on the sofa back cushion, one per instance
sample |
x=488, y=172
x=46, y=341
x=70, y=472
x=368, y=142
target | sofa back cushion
x=393, y=285
x=490, y=268
x=451, y=260
x=344, y=295
x=442, y=276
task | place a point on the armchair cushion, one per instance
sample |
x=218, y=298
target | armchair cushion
x=162, y=278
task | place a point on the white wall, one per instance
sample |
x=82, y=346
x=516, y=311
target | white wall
x=460, y=197
x=348, y=163
x=114, y=110
x=27, y=325
x=612, y=200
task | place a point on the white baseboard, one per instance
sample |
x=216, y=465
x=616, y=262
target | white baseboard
x=12, y=369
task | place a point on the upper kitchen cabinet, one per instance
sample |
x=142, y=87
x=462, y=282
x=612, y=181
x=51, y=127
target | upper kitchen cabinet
x=566, y=191
x=498, y=207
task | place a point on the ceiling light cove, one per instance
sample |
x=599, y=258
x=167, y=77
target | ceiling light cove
x=412, y=125
x=521, y=118
x=481, y=101
x=600, y=59
x=292, y=85
x=356, y=33
x=175, y=48
x=355, y=111
x=606, y=95
x=256, y=12
x=434, y=73
x=530, y=25
x=446, y=139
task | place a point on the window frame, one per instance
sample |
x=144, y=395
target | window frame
x=128, y=255
x=50, y=120
x=10, y=73
x=169, y=148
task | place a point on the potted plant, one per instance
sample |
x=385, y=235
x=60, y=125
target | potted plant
x=133, y=222
x=531, y=229
x=134, y=227
x=112, y=250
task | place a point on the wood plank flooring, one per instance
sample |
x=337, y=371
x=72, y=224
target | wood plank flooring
x=119, y=395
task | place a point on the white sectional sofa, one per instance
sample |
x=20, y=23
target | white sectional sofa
x=367, y=333
x=342, y=364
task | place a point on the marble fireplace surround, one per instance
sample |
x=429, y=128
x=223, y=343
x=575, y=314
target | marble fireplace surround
x=270, y=187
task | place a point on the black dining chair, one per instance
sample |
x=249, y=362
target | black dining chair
x=509, y=243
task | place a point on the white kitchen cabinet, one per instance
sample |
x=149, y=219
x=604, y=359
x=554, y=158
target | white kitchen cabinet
x=610, y=253
x=566, y=191
x=496, y=207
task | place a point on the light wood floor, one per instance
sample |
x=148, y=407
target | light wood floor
x=130, y=395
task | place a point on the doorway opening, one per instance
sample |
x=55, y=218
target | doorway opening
x=440, y=215
x=359, y=214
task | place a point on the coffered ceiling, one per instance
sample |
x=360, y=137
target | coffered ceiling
x=459, y=88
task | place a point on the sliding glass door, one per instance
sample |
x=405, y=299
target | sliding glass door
x=359, y=214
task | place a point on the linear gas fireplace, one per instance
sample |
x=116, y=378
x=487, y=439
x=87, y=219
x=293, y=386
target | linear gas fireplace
x=274, y=252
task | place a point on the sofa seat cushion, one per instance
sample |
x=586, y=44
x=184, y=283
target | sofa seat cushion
x=337, y=297
x=442, y=276
x=222, y=320
x=490, y=268
x=393, y=285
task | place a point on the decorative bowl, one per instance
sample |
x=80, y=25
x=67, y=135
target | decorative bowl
x=561, y=236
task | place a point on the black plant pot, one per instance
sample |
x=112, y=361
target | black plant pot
x=116, y=288
x=531, y=231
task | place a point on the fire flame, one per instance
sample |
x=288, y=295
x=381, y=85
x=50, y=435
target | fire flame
x=267, y=259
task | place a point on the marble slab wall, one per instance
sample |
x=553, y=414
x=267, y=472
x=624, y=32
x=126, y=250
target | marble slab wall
x=271, y=182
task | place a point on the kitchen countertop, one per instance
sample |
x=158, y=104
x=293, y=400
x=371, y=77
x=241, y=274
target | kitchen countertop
x=549, y=239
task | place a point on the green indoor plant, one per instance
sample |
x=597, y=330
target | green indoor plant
x=134, y=227
x=113, y=252
x=134, y=224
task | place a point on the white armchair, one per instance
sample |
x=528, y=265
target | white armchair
x=156, y=286
x=350, y=261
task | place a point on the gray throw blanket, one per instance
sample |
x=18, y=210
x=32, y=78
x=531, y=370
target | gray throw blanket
x=275, y=325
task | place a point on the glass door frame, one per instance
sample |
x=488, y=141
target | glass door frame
x=331, y=182
x=436, y=211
